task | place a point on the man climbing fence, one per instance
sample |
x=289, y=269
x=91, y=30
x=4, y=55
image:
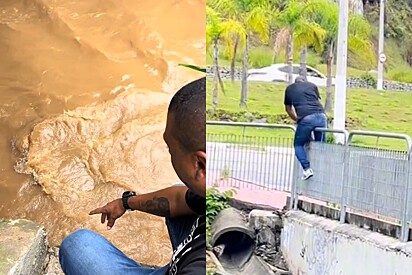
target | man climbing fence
x=302, y=103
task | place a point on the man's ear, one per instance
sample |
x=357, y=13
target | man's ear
x=200, y=165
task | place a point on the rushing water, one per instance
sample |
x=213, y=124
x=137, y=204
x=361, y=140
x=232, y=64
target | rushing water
x=84, y=88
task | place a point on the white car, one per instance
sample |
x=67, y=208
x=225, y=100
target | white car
x=279, y=73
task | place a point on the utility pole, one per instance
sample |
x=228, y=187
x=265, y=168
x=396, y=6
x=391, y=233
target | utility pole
x=341, y=68
x=382, y=56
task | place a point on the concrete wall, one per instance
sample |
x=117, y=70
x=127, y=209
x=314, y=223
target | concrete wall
x=23, y=247
x=315, y=245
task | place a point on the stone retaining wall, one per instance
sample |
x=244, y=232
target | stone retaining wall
x=352, y=82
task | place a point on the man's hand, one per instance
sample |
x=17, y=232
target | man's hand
x=168, y=202
x=110, y=212
x=291, y=112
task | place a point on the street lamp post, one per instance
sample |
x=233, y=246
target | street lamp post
x=382, y=57
x=341, y=64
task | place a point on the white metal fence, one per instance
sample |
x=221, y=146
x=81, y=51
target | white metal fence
x=243, y=160
x=373, y=180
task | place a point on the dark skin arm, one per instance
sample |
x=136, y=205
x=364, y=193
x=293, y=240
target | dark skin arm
x=288, y=106
x=168, y=202
x=291, y=112
x=317, y=92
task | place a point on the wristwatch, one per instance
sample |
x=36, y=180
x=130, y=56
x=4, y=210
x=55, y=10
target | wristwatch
x=125, y=197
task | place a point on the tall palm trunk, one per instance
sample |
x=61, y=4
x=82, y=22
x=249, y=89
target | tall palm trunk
x=329, y=73
x=233, y=62
x=216, y=73
x=303, y=71
x=274, y=57
x=290, y=58
x=243, y=96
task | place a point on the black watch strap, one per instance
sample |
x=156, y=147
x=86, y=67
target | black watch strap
x=125, y=197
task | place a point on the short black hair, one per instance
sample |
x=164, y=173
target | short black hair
x=189, y=108
x=300, y=79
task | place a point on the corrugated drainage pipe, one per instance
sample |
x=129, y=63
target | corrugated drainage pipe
x=233, y=242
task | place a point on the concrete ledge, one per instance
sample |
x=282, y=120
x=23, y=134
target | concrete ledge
x=23, y=247
x=249, y=206
x=367, y=221
x=317, y=245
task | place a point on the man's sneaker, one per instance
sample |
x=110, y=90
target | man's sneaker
x=307, y=174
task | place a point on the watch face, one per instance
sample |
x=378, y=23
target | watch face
x=128, y=194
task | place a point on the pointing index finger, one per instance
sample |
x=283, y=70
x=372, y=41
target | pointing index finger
x=99, y=210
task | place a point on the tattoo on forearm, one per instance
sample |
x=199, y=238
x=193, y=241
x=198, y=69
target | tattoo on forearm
x=158, y=206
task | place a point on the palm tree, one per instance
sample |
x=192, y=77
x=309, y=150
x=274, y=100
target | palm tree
x=254, y=16
x=308, y=33
x=359, y=32
x=297, y=30
x=216, y=32
x=232, y=53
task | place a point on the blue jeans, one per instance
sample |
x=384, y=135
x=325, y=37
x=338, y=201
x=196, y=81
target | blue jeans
x=85, y=252
x=304, y=133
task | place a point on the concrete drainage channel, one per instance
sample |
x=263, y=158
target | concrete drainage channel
x=24, y=249
x=247, y=244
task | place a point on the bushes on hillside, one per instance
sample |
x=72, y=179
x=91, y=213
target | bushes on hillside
x=370, y=79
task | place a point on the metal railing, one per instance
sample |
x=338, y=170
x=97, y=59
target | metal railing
x=256, y=162
x=328, y=161
x=370, y=180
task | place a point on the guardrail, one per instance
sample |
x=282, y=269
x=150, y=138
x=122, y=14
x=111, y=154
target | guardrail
x=251, y=125
x=248, y=161
x=406, y=171
x=366, y=179
x=381, y=135
x=372, y=180
x=331, y=163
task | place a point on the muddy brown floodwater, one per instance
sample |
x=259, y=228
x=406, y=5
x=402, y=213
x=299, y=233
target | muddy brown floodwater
x=84, y=89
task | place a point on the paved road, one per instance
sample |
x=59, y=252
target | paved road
x=268, y=166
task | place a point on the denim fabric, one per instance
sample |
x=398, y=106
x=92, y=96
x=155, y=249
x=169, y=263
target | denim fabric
x=304, y=133
x=85, y=252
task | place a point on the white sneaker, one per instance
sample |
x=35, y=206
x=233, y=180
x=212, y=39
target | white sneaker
x=307, y=174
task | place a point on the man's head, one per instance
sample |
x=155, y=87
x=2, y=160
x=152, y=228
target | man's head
x=185, y=135
x=299, y=79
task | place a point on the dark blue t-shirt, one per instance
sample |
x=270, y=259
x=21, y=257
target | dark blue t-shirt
x=304, y=97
